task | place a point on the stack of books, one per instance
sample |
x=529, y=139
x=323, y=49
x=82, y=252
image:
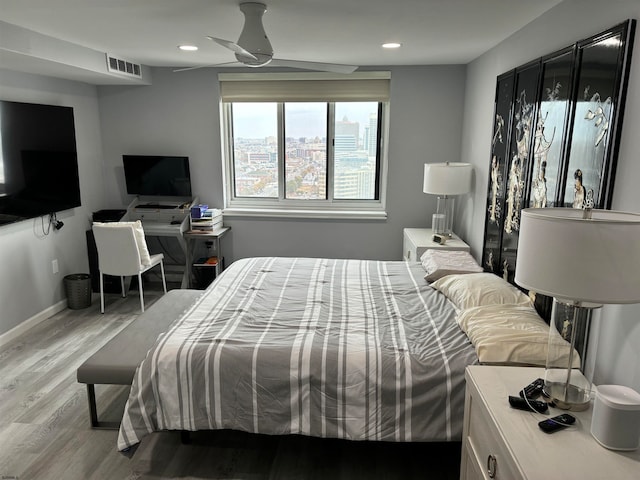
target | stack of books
x=206, y=262
x=210, y=220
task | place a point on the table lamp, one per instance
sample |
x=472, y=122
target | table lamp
x=583, y=259
x=445, y=180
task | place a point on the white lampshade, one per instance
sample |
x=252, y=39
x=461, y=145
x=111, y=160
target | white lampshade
x=573, y=259
x=447, y=178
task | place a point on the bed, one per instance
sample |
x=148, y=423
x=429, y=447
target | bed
x=350, y=349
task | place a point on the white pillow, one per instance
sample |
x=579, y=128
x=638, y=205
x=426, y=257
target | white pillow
x=438, y=263
x=477, y=289
x=511, y=334
x=138, y=232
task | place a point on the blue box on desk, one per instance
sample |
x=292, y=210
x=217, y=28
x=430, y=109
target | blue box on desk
x=198, y=210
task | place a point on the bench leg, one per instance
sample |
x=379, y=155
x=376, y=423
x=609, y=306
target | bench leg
x=93, y=411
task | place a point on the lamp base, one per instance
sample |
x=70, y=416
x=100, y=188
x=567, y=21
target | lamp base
x=442, y=220
x=439, y=224
x=568, y=376
x=571, y=398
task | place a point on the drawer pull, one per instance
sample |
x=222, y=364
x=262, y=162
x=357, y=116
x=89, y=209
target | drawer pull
x=492, y=463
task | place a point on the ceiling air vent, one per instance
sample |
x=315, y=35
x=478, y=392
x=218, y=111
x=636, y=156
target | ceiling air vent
x=118, y=65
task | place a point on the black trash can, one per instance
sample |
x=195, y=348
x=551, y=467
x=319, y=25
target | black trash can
x=77, y=286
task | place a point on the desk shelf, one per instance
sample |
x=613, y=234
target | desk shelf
x=191, y=237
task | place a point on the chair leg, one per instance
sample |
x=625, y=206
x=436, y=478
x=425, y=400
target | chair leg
x=101, y=293
x=141, y=293
x=122, y=286
x=164, y=282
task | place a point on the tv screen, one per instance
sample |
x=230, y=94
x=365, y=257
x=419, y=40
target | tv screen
x=156, y=175
x=38, y=161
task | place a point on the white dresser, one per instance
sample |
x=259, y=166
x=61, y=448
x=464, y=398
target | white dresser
x=502, y=443
x=417, y=240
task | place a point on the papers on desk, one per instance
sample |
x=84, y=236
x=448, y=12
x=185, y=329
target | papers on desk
x=211, y=220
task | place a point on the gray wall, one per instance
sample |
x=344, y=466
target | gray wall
x=179, y=114
x=28, y=286
x=618, y=335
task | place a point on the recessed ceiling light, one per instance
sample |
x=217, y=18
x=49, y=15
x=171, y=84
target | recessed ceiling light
x=391, y=45
x=188, y=48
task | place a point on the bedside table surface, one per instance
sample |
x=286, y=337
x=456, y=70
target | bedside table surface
x=417, y=240
x=569, y=453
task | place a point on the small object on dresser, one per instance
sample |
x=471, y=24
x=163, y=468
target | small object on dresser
x=528, y=405
x=615, y=423
x=440, y=239
x=534, y=389
x=554, y=424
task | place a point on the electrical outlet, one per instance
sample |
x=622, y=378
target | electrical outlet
x=54, y=266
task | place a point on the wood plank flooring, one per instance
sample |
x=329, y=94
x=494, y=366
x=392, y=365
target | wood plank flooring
x=45, y=433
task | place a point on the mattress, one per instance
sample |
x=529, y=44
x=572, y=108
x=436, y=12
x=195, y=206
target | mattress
x=350, y=349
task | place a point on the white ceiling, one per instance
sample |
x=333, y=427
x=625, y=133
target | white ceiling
x=335, y=31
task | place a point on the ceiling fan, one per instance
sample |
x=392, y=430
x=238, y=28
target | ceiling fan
x=254, y=49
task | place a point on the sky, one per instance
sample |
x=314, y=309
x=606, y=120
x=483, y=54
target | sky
x=258, y=120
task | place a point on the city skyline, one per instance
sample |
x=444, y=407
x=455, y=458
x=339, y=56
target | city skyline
x=258, y=150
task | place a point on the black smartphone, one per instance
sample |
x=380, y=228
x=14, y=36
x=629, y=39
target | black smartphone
x=559, y=422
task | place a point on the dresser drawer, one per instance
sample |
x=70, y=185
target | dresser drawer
x=409, y=253
x=485, y=444
x=471, y=469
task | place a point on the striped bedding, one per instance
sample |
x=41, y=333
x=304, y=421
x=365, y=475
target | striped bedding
x=351, y=349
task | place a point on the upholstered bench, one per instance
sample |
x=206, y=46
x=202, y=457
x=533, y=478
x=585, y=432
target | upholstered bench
x=116, y=362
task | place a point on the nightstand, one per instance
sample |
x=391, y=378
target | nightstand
x=212, y=236
x=502, y=443
x=417, y=240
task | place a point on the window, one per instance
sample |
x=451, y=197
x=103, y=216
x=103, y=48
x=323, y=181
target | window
x=294, y=147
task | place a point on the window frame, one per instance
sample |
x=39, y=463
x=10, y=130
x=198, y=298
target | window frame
x=283, y=207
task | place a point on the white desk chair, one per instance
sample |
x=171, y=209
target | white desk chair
x=122, y=251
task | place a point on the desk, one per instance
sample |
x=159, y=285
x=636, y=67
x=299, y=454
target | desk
x=153, y=228
x=212, y=236
x=163, y=217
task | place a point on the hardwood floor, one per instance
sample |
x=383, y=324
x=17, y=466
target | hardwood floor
x=45, y=433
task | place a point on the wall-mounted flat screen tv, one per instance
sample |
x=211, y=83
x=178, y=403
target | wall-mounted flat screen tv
x=38, y=161
x=157, y=175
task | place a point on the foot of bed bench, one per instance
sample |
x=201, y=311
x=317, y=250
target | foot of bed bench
x=93, y=412
x=116, y=362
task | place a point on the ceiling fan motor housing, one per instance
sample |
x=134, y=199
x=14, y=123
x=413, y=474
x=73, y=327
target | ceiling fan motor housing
x=253, y=37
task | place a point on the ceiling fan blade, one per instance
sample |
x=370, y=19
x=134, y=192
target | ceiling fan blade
x=322, y=67
x=233, y=47
x=189, y=68
x=206, y=66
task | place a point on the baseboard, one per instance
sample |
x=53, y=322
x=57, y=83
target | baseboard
x=29, y=323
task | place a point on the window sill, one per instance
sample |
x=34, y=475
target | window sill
x=301, y=213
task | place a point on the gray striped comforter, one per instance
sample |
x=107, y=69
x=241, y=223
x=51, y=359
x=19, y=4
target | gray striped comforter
x=352, y=349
